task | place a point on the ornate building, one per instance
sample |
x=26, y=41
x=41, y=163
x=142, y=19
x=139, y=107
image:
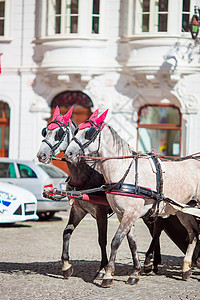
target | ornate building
x=136, y=58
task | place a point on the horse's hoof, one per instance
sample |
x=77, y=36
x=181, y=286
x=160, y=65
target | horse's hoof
x=132, y=280
x=67, y=273
x=99, y=275
x=148, y=268
x=106, y=283
x=186, y=275
x=155, y=270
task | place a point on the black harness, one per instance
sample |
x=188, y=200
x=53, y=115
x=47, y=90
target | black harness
x=90, y=135
x=120, y=187
x=136, y=190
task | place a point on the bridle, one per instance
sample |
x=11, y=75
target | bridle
x=62, y=135
x=90, y=135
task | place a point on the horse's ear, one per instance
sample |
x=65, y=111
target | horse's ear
x=102, y=117
x=67, y=116
x=56, y=113
x=94, y=115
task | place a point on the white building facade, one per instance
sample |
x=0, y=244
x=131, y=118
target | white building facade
x=135, y=57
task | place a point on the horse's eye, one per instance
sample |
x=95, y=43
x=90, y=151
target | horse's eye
x=44, y=132
x=90, y=133
x=59, y=134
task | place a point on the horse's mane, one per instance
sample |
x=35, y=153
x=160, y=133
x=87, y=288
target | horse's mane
x=120, y=144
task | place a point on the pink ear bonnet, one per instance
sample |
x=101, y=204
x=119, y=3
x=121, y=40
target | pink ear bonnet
x=94, y=117
x=62, y=118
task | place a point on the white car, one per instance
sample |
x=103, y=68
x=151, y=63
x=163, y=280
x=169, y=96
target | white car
x=35, y=177
x=16, y=204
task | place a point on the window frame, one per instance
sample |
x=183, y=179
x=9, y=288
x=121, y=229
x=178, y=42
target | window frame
x=152, y=13
x=11, y=165
x=5, y=37
x=174, y=25
x=21, y=167
x=158, y=126
x=84, y=28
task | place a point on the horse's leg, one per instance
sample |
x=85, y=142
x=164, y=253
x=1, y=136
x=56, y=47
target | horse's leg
x=193, y=231
x=76, y=215
x=102, y=223
x=155, y=228
x=134, y=277
x=123, y=229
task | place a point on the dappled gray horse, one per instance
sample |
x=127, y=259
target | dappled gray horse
x=181, y=183
x=56, y=139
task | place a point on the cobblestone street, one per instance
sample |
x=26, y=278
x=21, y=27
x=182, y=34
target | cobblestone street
x=30, y=265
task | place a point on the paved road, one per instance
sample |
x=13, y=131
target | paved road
x=30, y=266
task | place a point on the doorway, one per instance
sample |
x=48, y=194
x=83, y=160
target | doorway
x=81, y=112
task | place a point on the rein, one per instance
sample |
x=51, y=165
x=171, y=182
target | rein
x=167, y=158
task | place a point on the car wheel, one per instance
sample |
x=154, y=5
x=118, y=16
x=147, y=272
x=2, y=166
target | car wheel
x=44, y=216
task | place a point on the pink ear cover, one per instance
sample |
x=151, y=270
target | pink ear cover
x=62, y=118
x=98, y=120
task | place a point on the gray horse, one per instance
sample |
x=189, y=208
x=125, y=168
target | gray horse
x=56, y=139
x=181, y=183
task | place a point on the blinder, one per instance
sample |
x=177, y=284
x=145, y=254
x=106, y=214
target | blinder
x=91, y=133
x=44, y=132
x=59, y=134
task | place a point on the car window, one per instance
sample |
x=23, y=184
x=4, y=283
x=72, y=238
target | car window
x=53, y=172
x=7, y=170
x=26, y=172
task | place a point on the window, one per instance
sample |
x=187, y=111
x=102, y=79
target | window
x=26, y=172
x=67, y=17
x=2, y=17
x=151, y=16
x=53, y=172
x=159, y=128
x=62, y=16
x=185, y=15
x=4, y=128
x=95, y=16
x=7, y=170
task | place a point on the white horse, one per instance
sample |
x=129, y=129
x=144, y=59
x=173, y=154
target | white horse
x=57, y=136
x=181, y=183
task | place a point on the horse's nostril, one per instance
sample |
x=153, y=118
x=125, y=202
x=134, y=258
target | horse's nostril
x=41, y=156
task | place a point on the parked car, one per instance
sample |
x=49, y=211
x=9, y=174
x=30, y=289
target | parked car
x=16, y=204
x=35, y=177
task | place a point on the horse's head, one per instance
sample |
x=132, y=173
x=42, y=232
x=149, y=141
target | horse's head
x=87, y=139
x=57, y=136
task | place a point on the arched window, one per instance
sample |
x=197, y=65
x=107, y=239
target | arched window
x=81, y=102
x=159, y=128
x=81, y=112
x=4, y=128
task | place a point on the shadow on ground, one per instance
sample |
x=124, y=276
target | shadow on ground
x=171, y=268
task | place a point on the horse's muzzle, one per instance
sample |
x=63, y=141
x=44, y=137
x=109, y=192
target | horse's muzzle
x=72, y=158
x=43, y=158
